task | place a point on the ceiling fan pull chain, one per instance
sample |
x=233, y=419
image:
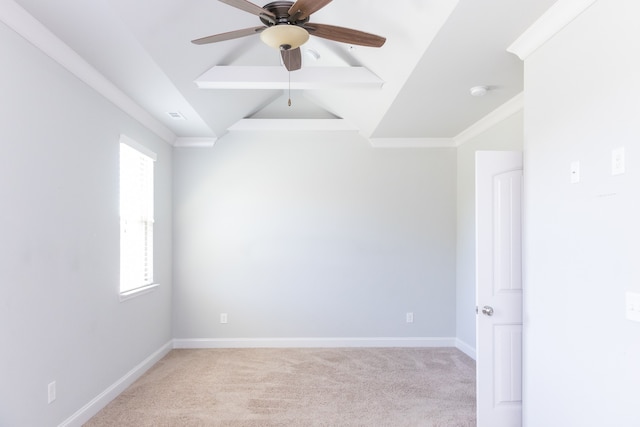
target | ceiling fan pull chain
x=288, y=69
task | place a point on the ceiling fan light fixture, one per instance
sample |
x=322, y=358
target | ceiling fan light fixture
x=284, y=36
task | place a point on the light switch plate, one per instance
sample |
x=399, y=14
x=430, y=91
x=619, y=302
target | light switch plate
x=633, y=306
x=617, y=161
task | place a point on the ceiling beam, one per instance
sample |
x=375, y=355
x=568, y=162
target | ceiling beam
x=292, y=125
x=411, y=142
x=276, y=77
x=194, y=142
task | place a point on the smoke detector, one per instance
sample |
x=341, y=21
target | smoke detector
x=479, y=90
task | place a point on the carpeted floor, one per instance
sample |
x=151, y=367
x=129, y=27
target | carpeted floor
x=300, y=387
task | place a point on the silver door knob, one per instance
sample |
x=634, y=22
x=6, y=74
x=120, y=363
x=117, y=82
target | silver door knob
x=487, y=310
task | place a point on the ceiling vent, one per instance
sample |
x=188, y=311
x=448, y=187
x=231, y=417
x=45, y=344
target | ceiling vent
x=176, y=115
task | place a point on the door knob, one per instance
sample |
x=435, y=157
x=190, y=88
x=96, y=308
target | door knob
x=487, y=310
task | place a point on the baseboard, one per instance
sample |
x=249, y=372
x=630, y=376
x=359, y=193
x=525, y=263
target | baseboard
x=312, y=342
x=466, y=348
x=94, y=406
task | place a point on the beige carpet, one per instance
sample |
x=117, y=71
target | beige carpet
x=300, y=387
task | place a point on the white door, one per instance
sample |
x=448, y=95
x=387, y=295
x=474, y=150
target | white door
x=499, y=288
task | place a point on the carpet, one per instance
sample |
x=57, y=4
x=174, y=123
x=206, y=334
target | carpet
x=300, y=387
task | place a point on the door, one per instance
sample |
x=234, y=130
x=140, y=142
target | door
x=499, y=288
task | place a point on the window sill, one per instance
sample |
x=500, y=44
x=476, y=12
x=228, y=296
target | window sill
x=124, y=296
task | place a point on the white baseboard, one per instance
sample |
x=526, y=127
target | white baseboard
x=466, y=348
x=312, y=342
x=96, y=404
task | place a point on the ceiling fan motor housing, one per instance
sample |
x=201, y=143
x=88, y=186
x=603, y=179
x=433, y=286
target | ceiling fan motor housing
x=281, y=10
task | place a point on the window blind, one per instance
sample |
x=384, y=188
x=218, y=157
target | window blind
x=136, y=218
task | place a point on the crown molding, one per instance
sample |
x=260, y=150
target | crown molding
x=20, y=21
x=504, y=111
x=551, y=22
x=507, y=109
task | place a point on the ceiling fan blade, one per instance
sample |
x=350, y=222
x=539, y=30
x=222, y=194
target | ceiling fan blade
x=302, y=9
x=292, y=59
x=228, y=36
x=247, y=6
x=344, y=35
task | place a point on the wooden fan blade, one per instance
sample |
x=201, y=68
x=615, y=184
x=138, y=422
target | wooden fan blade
x=292, y=59
x=344, y=35
x=247, y=6
x=302, y=9
x=228, y=36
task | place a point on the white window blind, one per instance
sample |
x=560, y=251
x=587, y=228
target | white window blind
x=136, y=216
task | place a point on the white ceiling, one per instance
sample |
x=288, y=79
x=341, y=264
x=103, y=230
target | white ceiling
x=436, y=50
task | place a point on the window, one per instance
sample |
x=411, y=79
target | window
x=136, y=217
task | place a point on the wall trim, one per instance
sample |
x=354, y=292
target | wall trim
x=501, y=113
x=97, y=403
x=548, y=25
x=192, y=343
x=18, y=19
x=466, y=348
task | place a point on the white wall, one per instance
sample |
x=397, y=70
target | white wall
x=505, y=135
x=60, y=316
x=582, y=241
x=313, y=236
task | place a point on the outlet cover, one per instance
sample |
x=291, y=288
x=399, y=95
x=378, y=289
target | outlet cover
x=575, y=172
x=633, y=306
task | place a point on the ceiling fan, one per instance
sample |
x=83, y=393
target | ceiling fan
x=286, y=27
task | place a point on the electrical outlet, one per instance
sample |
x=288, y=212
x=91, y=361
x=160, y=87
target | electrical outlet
x=575, y=172
x=633, y=306
x=51, y=391
x=223, y=318
x=409, y=317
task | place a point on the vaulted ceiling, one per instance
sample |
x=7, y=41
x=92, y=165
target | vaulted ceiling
x=415, y=86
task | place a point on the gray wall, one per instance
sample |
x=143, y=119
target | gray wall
x=60, y=316
x=582, y=241
x=506, y=135
x=313, y=235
